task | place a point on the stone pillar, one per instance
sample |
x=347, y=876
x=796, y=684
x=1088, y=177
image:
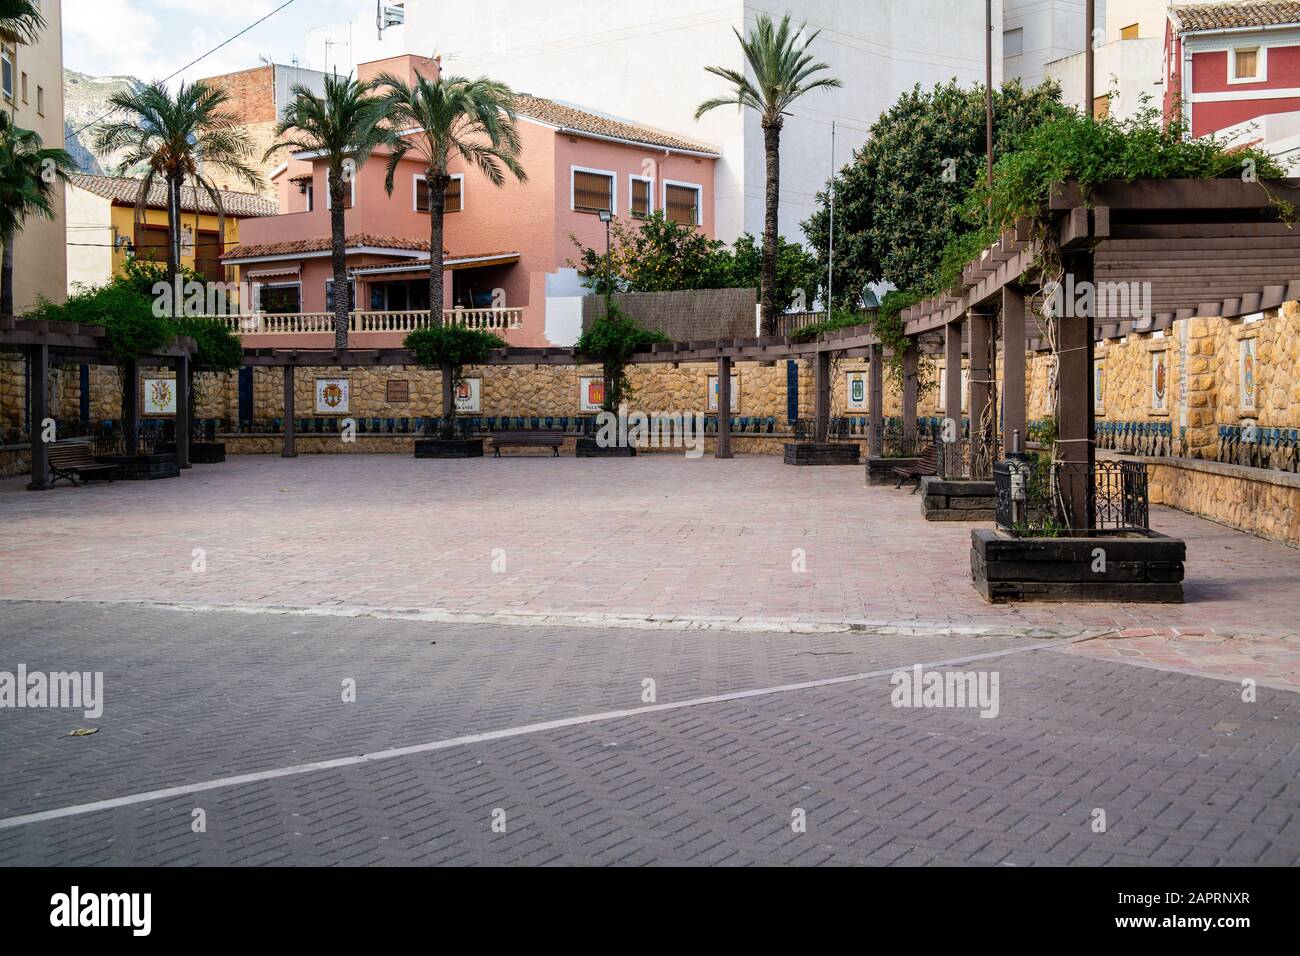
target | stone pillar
x=131, y=406
x=911, y=372
x=952, y=376
x=876, y=402
x=287, y=450
x=38, y=398
x=822, y=391
x=981, y=391
x=724, y=408
x=1076, y=445
x=1013, y=366
x=183, y=423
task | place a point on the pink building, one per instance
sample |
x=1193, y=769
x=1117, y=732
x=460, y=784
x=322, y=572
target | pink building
x=1228, y=64
x=508, y=249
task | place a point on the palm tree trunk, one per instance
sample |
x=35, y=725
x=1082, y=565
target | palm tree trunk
x=338, y=253
x=7, y=275
x=767, y=275
x=174, y=242
x=437, y=207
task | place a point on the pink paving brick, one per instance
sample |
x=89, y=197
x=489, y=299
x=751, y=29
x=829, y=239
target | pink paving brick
x=658, y=534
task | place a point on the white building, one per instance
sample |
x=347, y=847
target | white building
x=644, y=62
x=1038, y=32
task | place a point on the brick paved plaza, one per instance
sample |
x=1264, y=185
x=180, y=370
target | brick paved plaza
x=379, y=570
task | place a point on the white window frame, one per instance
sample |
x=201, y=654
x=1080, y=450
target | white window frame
x=310, y=194
x=613, y=188
x=699, y=198
x=351, y=182
x=415, y=202
x=650, y=194
x=1261, y=63
x=7, y=57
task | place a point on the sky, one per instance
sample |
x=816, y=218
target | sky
x=150, y=39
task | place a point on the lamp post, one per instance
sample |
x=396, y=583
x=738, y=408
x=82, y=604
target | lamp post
x=607, y=216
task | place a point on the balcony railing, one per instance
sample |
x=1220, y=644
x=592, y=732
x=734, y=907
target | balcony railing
x=269, y=323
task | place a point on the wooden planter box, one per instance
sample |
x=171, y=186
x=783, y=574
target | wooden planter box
x=957, y=500
x=207, y=452
x=589, y=448
x=1139, y=568
x=143, y=467
x=822, y=453
x=449, y=448
x=879, y=473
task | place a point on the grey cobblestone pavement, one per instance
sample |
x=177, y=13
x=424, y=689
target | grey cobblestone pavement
x=1186, y=772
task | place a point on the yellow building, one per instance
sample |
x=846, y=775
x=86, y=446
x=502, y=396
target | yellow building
x=104, y=227
x=31, y=91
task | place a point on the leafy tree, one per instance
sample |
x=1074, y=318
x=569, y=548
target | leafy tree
x=30, y=176
x=783, y=69
x=900, y=200
x=452, y=116
x=612, y=340
x=449, y=348
x=181, y=138
x=653, y=255
x=20, y=21
x=659, y=255
x=344, y=127
x=219, y=350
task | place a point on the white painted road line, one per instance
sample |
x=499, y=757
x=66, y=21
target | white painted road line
x=221, y=783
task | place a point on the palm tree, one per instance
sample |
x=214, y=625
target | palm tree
x=782, y=66
x=451, y=116
x=20, y=21
x=30, y=176
x=178, y=138
x=343, y=127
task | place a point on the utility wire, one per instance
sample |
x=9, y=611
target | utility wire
x=228, y=40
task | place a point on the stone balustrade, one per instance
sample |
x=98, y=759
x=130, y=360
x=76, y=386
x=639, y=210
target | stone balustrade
x=267, y=323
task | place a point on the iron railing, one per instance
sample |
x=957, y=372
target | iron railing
x=1030, y=491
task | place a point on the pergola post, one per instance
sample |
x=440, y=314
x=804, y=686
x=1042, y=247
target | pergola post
x=911, y=361
x=1013, y=366
x=1076, y=450
x=38, y=393
x=131, y=407
x=287, y=450
x=876, y=403
x=952, y=392
x=183, y=411
x=724, y=408
x=981, y=386
x=822, y=391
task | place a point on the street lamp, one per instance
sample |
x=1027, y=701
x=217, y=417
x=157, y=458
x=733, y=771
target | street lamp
x=607, y=216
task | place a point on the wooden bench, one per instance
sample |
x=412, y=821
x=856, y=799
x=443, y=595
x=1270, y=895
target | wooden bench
x=926, y=465
x=536, y=438
x=72, y=459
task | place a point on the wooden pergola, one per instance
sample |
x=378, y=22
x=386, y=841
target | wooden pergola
x=1207, y=248
x=45, y=343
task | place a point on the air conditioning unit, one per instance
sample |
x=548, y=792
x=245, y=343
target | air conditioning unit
x=390, y=16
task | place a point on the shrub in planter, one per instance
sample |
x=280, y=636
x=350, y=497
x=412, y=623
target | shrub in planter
x=449, y=348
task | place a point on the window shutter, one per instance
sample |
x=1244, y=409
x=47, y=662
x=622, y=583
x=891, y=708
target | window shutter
x=592, y=192
x=682, y=204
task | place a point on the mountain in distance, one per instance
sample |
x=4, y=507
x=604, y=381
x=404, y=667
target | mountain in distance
x=86, y=99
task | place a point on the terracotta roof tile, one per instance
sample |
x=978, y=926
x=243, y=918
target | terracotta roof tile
x=581, y=121
x=125, y=191
x=301, y=246
x=1229, y=16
